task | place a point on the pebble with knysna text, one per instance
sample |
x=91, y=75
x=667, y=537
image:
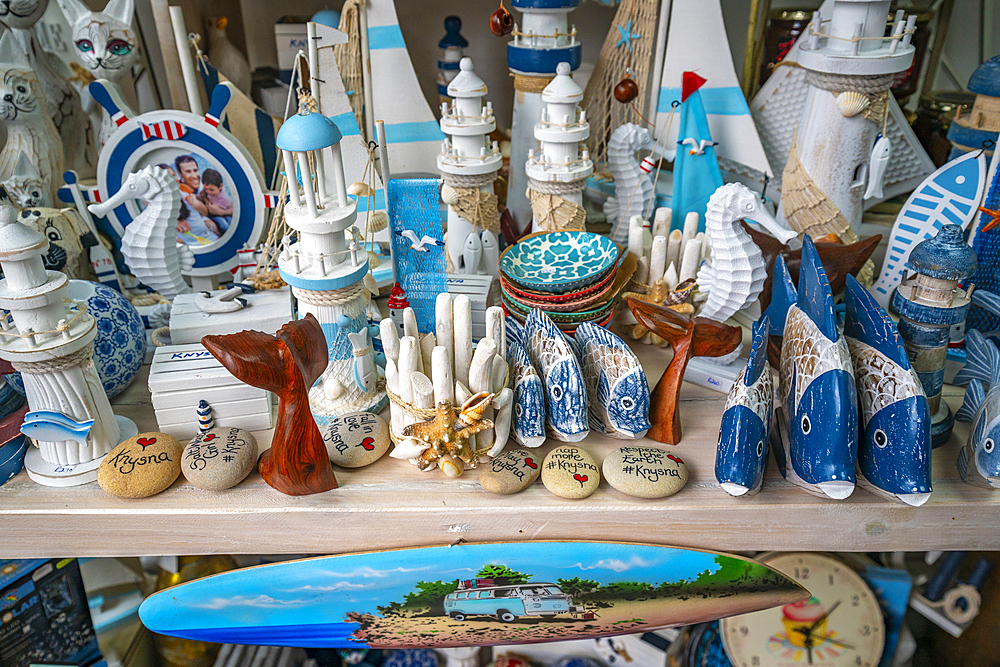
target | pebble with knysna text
x=570, y=472
x=141, y=466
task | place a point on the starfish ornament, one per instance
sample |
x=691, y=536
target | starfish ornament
x=626, y=35
x=448, y=433
x=995, y=215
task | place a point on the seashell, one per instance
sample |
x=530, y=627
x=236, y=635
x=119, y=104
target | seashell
x=451, y=466
x=360, y=189
x=410, y=448
x=852, y=103
x=377, y=221
x=682, y=308
x=449, y=195
x=473, y=409
x=373, y=261
x=332, y=388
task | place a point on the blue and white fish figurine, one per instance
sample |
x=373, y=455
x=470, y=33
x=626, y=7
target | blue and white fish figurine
x=50, y=426
x=472, y=252
x=879, y=161
x=894, y=450
x=741, y=457
x=617, y=390
x=565, y=392
x=490, y=264
x=529, y=396
x=817, y=412
x=979, y=459
x=365, y=375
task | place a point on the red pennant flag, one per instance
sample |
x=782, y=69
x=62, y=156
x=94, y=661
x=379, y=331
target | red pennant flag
x=690, y=82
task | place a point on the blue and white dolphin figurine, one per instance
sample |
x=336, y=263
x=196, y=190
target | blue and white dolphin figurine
x=566, y=403
x=617, y=390
x=817, y=412
x=979, y=459
x=51, y=426
x=741, y=457
x=894, y=451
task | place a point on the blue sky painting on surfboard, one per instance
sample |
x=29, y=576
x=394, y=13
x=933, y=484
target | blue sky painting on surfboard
x=468, y=594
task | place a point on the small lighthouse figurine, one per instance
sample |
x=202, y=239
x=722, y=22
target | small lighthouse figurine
x=469, y=164
x=451, y=46
x=558, y=170
x=326, y=267
x=50, y=340
x=929, y=304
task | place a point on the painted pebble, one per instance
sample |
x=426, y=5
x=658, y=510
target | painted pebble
x=219, y=458
x=141, y=466
x=511, y=472
x=645, y=472
x=570, y=472
x=356, y=439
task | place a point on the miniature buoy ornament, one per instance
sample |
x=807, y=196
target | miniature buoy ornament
x=501, y=21
x=626, y=90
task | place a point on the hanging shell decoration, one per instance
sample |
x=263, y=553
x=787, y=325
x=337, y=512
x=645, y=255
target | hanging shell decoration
x=851, y=103
x=449, y=195
x=444, y=440
x=377, y=221
x=359, y=189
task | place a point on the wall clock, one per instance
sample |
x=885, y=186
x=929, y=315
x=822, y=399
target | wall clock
x=203, y=157
x=841, y=625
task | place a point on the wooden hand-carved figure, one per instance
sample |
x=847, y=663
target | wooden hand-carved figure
x=287, y=363
x=698, y=337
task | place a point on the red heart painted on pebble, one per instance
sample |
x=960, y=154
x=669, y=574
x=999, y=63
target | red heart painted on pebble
x=210, y=436
x=530, y=463
x=580, y=478
x=674, y=459
x=368, y=443
x=146, y=442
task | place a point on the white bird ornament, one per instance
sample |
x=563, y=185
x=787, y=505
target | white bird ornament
x=420, y=245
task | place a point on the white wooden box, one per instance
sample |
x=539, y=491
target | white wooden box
x=266, y=311
x=182, y=375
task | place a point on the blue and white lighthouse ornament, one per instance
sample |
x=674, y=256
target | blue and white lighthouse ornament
x=326, y=267
x=929, y=305
x=451, y=46
x=741, y=457
x=894, y=449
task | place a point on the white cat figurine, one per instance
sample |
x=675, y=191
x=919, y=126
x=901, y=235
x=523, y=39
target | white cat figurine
x=105, y=45
x=25, y=187
x=30, y=130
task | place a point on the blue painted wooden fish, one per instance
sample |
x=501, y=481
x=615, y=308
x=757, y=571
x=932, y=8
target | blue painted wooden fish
x=59, y=418
x=565, y=392
x=979, y=459
x=741, y=457
x=340, y=601
x=364, y=371
x=894, y=451
x=617, y=390
x=529, y=395
x=50, y=426
x=817, y=415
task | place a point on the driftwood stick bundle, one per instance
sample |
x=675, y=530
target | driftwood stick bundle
x=443, y=317
x=390, y=339
x=444, y=385
x=481, y=379
x=463, y=337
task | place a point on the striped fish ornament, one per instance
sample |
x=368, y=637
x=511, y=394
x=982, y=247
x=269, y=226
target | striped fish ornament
x=948, y=196
x=165, y=129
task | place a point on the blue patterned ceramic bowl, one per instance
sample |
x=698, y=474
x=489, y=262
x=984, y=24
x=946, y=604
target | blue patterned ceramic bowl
x=559, y=261
x=120, y=346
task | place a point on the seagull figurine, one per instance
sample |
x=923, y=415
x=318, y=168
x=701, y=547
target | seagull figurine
x=420, y=245
x=698, y=147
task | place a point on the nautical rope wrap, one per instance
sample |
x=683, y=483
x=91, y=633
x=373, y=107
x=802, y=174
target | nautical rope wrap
x=807, y=208
x=524, y=83
x=337, y=297
x=470, y=181
x=557, y=187
x=81, y=357
x=479, y=208
x=553, y=213
x=348, y=58
x=875, y=88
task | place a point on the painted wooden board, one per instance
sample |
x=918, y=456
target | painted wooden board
x=482, y=594
x=266, y=311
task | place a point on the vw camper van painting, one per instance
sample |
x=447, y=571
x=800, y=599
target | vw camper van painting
x=472, y=594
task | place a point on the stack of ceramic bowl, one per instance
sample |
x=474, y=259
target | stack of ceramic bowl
x=570, y=276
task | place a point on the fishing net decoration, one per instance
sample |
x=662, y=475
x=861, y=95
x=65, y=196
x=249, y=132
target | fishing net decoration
x=987, y=247
x=414, y=205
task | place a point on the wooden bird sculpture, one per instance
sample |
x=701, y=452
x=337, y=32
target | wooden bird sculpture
x=287, y=364
x=698, y=337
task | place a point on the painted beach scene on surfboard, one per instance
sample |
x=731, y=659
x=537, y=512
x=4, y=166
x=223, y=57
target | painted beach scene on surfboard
x=482, y=594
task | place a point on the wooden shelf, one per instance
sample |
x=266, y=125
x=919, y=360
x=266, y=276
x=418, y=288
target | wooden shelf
x=391, y=505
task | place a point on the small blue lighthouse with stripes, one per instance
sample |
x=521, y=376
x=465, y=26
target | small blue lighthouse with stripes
x=542, y=41
x=451, y=45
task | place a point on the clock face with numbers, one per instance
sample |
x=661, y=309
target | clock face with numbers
x=841, y=625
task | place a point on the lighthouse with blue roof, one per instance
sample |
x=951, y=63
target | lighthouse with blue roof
x=542, y=41
x=981, y=123
x=327, y=264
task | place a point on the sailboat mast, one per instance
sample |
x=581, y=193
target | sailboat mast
x=366, y=71
x=659, y=51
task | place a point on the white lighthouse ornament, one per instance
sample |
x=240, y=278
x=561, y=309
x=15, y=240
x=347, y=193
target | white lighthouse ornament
x=542, y=41
x=327, y=265
x=557, y=171
x=835, y=159
x=469, y=163
x=50, y=340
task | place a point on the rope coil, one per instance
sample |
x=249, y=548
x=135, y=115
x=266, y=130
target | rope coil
x=80, y=357
x=337, y=297
x=525, y=83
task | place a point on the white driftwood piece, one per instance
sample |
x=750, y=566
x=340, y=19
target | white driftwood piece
x=392, y=384
x=691, y=260
x=462, y=393
x=423, y=391
x=481, y=379
x=635, y=236
x=390, y=340
x=409, y=357
x=657, y=258
x=690, y=228
x=642, y=270
x=444, y=384
x=633, y=187
x=675, y=243
x=410, y=323
x=662, y=220
x=736, y=275
x=445, y=328
x=26, y=118
x=427, y=344
x=463, y=338
x=502, y=403
x=670, y=277
x=150, y=241
x=496, y=329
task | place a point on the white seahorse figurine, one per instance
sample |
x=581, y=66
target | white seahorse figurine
x=150, y=241
x=735, y=277
x=633, y=186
